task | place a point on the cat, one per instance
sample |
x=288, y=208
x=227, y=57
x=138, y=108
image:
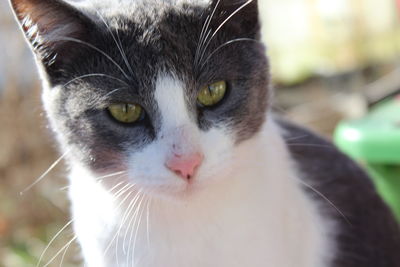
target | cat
x=163, y=111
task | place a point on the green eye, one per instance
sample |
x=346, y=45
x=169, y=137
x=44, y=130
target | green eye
x=126, y=113
x=212, y=94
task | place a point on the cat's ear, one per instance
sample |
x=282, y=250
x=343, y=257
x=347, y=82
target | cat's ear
x=242, y=15
x=50, y=26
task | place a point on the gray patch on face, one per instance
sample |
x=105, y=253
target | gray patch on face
x=118, y=59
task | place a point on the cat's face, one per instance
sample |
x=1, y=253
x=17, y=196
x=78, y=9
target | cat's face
x=164, y=91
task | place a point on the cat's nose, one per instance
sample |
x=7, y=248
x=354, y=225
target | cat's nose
x=184, y=166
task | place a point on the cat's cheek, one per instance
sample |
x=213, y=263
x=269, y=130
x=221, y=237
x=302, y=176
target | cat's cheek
x=219, y=150
x=107, y=163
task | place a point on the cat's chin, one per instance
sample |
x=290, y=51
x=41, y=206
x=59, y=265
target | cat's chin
x=178, y=192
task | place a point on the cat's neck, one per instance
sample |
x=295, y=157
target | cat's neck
x=259, y=208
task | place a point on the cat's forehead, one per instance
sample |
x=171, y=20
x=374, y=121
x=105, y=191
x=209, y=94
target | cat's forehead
x=137, y=10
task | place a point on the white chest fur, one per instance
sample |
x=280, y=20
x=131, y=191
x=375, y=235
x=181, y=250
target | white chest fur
x=258, y=217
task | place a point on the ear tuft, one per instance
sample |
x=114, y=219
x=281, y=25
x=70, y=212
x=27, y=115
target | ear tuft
x=47, y=24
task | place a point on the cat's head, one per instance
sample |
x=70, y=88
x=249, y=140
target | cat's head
x=164, y=91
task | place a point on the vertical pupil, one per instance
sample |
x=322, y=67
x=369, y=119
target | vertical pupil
x=210, y=90
x=125, y=108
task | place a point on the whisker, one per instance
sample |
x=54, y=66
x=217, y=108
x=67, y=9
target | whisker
x=99, y=178
x=69, y=39
x=136, y=234
x=123, y=218
x=95, y=75
x=226, y=44
x=104, y=97
x=115, y=187
x=200, y=39
x=119, y=45
x=65, y=253
x=221, y=25
x=310, y=145
x=201, y=43
x=64, y=188
x=148, y=222
x=127, y=214
x=60, y=251
x=122, y=191
x=41, y=177
x=296, y=138
x=110, y=175
x=112, y=92
x=52, y=240
x=325, y=198
x=133, y=219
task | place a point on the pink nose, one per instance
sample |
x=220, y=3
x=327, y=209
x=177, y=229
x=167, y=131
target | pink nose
x=184, y=166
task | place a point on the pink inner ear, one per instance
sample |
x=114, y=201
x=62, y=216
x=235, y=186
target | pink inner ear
x=48, y=19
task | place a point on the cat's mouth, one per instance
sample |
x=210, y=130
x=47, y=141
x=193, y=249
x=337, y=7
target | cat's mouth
x=177, y=190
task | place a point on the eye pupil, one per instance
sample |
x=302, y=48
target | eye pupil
x=210, y=91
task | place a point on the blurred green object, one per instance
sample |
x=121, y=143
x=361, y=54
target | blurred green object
x=374, y=141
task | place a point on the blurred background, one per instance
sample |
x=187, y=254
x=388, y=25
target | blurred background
x=330, y=61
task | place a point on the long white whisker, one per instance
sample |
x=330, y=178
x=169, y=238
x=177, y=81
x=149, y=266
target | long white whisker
x=65, y=253
x=222, y=24
x=41, y=177
x=95, y=75
x=104, y=97
x=69, y=186
x=110, y=93
x=296, y=138
x=119, y=45
x=325, y=198
x=97, y=49
x=115, y=187
x=201, y=39
x=136, y=234
x=127, y=214
x=148, y=222
x=60, y=251
x=52, y=240
x=132, y=220
x=310, y=145
x=206, y=29
x=110, y=175
x=125, y=198
x=123, y=218
x=226, y=44
x=115, y=236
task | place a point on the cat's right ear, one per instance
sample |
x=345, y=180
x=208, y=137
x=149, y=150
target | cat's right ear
x=50, y=26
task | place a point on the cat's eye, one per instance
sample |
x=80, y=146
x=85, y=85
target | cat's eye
x=212, y=94
x=126, y=113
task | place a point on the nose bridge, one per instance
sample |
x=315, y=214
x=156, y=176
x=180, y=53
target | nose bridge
x=184, y=155
x=182, y=140
x=178, y=134
x=171, y=101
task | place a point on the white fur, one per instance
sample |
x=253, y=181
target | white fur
x=245, y=208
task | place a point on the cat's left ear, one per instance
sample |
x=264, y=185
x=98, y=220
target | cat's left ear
x=50, y=26
x=241, y=15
